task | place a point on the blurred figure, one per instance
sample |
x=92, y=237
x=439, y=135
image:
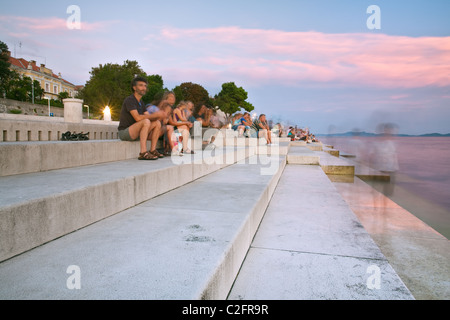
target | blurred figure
x=357, y=147
x=385, y=155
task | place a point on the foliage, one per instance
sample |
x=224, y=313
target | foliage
x=231, y=99
x=109, y=85
x=63, y=95
x=53, y=103
x=192, y=92
x=5, y=72
x=155, y=88
x=21, y=88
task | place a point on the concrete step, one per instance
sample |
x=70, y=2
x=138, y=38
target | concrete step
x=335, y=165
x=39, y=156
x=302, y=155
x=28, y=157
x=311, y=246
x=313, y=155
x=188, y=243
x=38, y=207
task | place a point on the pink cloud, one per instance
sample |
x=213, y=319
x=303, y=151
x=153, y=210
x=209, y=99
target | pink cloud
x=289, y=57
x=49, y=24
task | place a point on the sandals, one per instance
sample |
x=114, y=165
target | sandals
x=156, y=154
x=147, y=156
x=188, y=151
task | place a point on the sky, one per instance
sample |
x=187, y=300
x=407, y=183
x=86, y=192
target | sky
x=317, y=64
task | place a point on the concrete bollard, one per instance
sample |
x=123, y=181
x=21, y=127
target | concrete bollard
x=73, y=110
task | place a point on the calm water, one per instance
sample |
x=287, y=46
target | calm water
x=424, y=171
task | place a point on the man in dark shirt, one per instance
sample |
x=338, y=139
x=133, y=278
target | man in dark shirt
x=261, y=128
x=137, y=124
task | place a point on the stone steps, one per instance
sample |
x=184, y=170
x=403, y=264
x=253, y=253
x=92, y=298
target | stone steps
x=187, y=242
x=38, y=207
x=175, y=228
x=332, y=162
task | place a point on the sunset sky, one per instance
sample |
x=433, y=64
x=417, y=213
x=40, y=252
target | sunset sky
x=314, y=64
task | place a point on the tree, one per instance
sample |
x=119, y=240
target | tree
x=155, y=88
x=63, y=95
x=21, y=88
x=5, y=72
x=192, y=92
x=231, y=99
x=109, y=85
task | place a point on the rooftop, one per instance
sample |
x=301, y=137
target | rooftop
x=31, y=65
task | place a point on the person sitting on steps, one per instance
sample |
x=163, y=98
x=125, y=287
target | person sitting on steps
x=183, y=126
x=137, y=124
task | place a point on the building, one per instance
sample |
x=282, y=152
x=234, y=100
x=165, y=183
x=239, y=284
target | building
x=52, y=84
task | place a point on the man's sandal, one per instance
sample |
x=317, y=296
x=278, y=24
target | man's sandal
x=156, y=154
x=147, y=156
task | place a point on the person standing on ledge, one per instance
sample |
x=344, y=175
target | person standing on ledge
x=137, y=124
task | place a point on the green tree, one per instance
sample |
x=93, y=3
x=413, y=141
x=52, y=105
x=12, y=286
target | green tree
x=231, y=99
x=155, y=88
x=21, y=88
x=109, y=85
x=63, y=95
x=192, y=92
x=5, y=72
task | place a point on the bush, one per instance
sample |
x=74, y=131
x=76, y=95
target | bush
x=15, y=111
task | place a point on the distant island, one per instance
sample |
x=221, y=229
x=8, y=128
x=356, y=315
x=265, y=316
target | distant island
x=369, y=134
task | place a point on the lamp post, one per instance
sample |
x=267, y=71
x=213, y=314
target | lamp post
x=107, y=114
x=48, y=105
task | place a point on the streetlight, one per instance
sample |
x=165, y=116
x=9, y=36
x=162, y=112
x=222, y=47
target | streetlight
x=48, y=105
x=107, y=114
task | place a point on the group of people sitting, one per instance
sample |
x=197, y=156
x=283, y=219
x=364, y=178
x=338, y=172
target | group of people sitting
x=301, y=135
x=141, y=122
x=161, y=119
x=252, y=128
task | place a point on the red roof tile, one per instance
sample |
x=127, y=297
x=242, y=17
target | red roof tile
x=23, y=64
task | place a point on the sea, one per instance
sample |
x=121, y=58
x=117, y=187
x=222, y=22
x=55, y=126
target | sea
x=422, y=181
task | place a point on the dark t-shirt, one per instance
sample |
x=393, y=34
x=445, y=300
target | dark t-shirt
x=129, y=104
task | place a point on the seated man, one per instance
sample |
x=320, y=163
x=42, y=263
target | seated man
x=137, y=124
x=258, y=129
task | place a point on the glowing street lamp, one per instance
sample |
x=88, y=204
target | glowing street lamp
x=107, y=114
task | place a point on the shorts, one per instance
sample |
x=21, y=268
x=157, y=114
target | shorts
x=124, y=135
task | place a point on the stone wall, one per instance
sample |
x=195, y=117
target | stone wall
x=6, y=105
x=18, y=128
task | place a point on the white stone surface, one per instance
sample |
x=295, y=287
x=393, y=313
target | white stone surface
x=184, y=244
x=311, y=246
x=39, y=207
